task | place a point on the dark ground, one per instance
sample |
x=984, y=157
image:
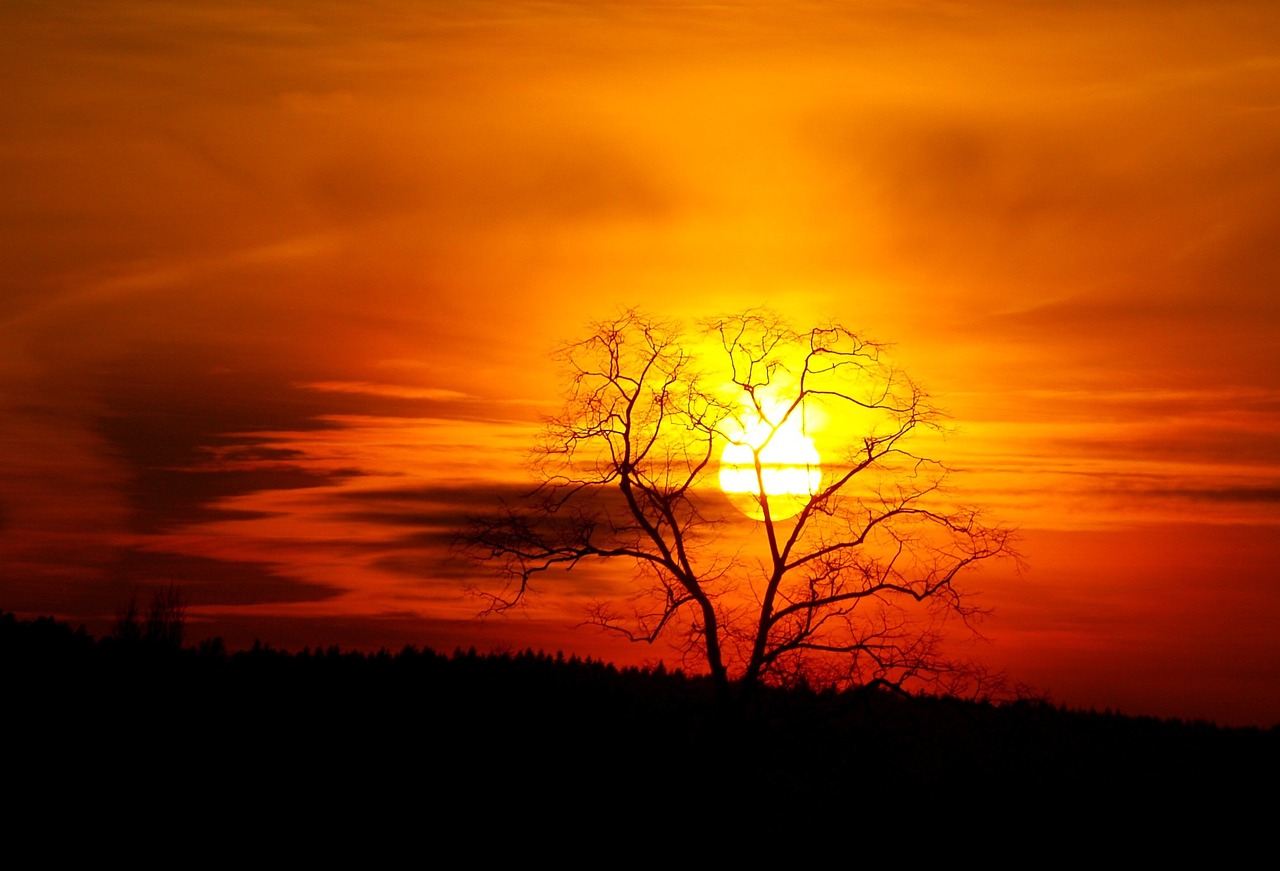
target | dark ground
x=532, y=738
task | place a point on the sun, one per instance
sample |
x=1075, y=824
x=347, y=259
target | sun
x=790, y=468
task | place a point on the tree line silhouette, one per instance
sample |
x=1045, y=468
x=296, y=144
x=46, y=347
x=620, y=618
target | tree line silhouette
x=518, y=723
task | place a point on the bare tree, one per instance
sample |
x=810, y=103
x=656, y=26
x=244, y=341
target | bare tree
x=167, y=617
x=165, y=623
x=839, y=568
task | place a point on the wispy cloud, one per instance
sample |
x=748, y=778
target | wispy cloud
x=401, y=391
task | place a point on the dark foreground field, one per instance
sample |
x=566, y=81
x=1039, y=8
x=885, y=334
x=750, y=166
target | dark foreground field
x=531, y=736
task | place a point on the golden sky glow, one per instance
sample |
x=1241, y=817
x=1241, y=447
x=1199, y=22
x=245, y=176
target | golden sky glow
x=282, y=285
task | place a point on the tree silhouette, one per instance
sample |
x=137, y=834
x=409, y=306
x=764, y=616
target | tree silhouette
x=838, y=568
x=165, y=622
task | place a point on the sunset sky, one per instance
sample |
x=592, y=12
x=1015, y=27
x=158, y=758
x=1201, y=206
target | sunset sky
x=282, y=284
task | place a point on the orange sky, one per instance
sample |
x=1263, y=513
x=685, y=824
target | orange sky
x=282, y=280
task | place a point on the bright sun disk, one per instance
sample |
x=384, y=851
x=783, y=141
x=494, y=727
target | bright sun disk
x=790, y=468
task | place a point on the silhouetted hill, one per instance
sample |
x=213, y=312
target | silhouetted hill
x=542, y=734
